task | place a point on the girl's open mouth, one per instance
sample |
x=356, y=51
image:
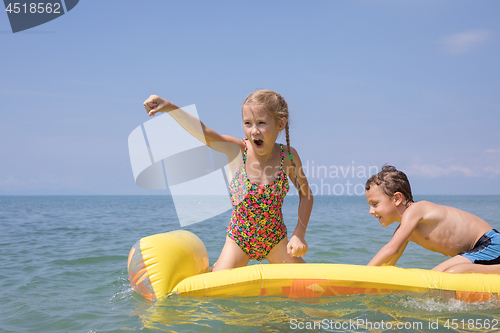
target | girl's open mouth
x=259, y=143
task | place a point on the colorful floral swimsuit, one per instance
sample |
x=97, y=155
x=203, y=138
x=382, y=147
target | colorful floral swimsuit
x=257, y=221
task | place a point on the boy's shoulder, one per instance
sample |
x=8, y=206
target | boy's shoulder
x=425, y=210
x=419, y=206
x=424, y=204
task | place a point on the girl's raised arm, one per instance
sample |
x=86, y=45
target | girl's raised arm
x=192, y=125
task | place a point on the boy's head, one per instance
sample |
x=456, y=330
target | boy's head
x=391, y=181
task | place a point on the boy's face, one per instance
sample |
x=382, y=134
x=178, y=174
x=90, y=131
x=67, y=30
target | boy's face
x=382, y=206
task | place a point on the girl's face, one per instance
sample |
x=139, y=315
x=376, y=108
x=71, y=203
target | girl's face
x=261, y=128
x=382, y=206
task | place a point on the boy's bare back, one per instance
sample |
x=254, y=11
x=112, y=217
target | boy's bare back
x=444, y=229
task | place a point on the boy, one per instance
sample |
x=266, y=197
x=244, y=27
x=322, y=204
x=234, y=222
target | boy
x=471, y=242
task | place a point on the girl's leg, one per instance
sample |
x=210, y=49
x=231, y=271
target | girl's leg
x=278, y=254
x=232, y=256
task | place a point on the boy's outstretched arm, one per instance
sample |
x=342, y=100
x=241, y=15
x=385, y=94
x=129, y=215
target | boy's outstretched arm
x=392, y=251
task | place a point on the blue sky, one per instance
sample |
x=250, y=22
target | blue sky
x=410, y=83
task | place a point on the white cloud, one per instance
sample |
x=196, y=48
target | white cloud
x=465, y=41
x=434, y=171
x=491, y=162
x=493, y=170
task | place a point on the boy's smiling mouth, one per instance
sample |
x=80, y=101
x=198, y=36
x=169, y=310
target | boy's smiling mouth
x=381, y=221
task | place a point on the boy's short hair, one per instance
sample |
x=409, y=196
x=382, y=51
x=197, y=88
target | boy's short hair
x=391, y=181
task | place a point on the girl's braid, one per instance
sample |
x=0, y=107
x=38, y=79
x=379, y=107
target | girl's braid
x=283, y=112
x=294, y=166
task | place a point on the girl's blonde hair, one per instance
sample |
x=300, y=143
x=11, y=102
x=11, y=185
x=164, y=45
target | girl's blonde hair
x=276, y=105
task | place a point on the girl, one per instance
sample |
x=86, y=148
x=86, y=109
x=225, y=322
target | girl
x=256, y=230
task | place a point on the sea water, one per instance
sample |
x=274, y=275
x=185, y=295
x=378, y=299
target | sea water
x=63, y=269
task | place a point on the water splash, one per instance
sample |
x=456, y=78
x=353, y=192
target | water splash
x=433, y=304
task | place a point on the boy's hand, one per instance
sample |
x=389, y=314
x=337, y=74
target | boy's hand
x=155, y=104
x=297, y=246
